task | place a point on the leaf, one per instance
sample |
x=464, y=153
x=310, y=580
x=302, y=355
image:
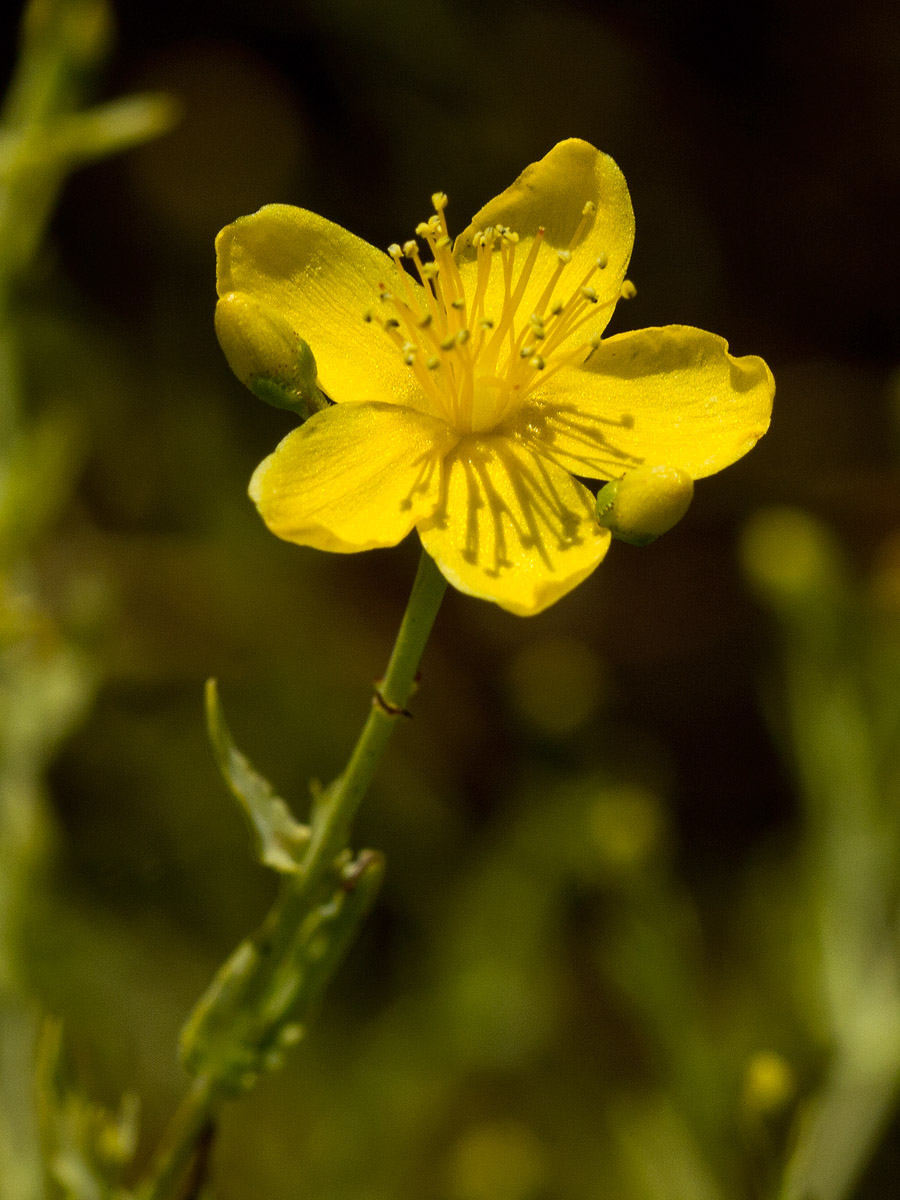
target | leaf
x=279, y=839
x=264, y=996
x=87, y=1146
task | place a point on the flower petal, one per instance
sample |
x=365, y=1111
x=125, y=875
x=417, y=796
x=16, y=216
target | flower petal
x=551, y=194
x=353, y=477
x=672, y=396
x=512, y=527
x=323, y=280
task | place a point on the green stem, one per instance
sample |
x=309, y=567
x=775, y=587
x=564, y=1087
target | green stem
x=177, y=1144
x=332, y=818
x=340, y=802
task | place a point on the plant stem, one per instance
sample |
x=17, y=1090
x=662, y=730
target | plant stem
x=177, y=1143
x=340, y=802
x=332, y=817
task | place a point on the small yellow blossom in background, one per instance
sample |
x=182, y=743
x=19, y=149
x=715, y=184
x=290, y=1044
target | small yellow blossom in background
x=469, y=389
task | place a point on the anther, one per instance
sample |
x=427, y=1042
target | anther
x=458, y=303
x=392, y=323
x=486, y=323
x=564, y=256
x=589, y=209
x=394, y=251
x=410, y=248
x=462, y=337
x=439, y=200
x=442, y=242
x=538, y=363
x=449, y=342
x=557, y=308
x=629, y=291
x=432, y=363
x=424, y=322
x=367, y=316
x=589, y=294
x=602, y=262
x=527, y=351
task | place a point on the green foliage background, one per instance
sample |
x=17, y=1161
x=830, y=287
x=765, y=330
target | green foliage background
x=632, y=843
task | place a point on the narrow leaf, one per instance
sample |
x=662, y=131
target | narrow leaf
x=278, y=838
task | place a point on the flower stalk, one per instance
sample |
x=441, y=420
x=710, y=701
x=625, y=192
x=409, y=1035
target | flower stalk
x=261, y=999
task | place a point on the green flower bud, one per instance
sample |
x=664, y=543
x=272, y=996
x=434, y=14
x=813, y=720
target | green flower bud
x=267, y=355
x=644, y=503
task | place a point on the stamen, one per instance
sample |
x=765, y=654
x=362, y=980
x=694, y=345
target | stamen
x=439, y=200
x=563, y=258
x=629, y=291
x=511, y=305
x=490, y=362
x=587, y=215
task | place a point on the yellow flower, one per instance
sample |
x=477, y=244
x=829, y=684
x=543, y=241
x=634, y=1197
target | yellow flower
x=470, y=389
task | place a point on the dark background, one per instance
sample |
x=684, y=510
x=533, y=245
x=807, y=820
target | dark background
x=760, y=144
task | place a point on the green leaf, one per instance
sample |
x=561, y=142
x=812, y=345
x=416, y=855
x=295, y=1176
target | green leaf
x=263, y=998
x=87, y=1146
x=278, y=838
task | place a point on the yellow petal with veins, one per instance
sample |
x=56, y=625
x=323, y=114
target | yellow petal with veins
x=512, y=527
x=672, y=396
x=354, y=477
x=551, y=195
x=322, y=280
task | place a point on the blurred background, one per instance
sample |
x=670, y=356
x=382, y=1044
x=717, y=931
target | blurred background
x=595, y=969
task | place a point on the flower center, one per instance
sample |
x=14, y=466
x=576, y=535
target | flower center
x=477, y=353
